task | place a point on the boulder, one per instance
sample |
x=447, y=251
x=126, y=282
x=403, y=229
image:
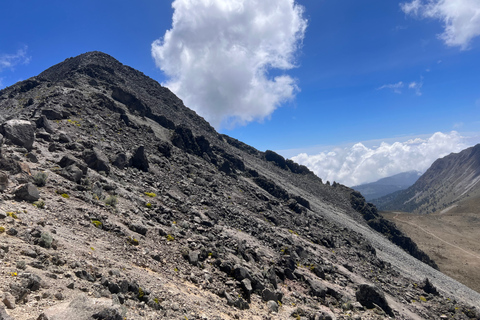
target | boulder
x=9, y=301
x=64, y=138
x=20, y=133
x=52, y=114
x=3, y=181
x=3, y=314
x=272, y=306
x=43, y=122
x=268, y=295
x=139, y=159
x=165, y=149
x=317, y=288
x=370, y=296
x=72, y=173
x=83, y=308
x=96, y=160
x=27, y=192
x=69, y=160
x=120, y=161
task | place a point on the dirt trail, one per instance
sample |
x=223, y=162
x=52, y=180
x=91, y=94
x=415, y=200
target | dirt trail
x=435, y=236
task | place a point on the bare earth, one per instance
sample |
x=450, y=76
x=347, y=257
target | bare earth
x=449, y=237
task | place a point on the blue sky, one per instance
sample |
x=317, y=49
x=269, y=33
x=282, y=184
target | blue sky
x=351, y=71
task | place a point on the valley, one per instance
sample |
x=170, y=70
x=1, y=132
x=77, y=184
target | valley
x=449, y=237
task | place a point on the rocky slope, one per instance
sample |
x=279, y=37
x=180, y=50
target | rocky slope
x=387, y=185
x=449, y=182
x=118, y=202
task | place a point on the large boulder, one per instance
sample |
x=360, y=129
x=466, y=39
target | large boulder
x=52, y=114
x=370, y=296
x=27, y=192
x=120, y=161
x=43, y=122
x=83, y=308
x=19, y=132
x=96, y=160
x=69, y=160
x=139, y=159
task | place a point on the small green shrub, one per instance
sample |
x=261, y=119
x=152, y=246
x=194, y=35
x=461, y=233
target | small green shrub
x=40, y=204
x=97, y=224
x=2, y=229
x=150, y=194
x=422, y=298
x=141, y=293
x=12, y=214
x=111, y=201
x=170, y=237
x=40, y=179
x=133, y=241
x=45, y=240
x=148, y=205
x=66, y=196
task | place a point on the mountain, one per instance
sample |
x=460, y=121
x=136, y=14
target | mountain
x=384, y=186
x=119, y=202
x=449, y=182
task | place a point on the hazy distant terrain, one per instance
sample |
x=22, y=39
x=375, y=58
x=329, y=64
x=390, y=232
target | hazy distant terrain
x=387, y=185
x=450, y=181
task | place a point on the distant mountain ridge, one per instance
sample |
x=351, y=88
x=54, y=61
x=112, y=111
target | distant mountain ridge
x=388, y=185
x=450, y=181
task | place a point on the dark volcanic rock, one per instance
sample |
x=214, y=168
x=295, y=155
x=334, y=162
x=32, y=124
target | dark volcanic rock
x=27, y=192
x=120, y=161
x=43, y=122
x=369, y=296
x=139, y=159
x=19, y=132
x=96, y=160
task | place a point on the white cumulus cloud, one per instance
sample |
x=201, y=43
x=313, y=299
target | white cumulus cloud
x=359, y=164
x=461, y=18
x=218, y=55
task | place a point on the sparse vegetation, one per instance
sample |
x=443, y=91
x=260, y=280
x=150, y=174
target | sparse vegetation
x=111, y=201
x=12, y=214
x=141, y=293
x=133, y=241
x=40, y=204
x=97, y=224
x=150, y=194
x=40, y=179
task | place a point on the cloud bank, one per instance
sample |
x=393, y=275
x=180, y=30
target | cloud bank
x=461, y=18
x=359, y=164
x=218, y=55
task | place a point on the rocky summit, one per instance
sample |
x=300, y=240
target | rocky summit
x=118, y=202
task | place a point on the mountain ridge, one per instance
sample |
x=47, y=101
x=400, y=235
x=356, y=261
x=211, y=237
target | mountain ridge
x=449, y=181
x=387, y=185
x=138, y=202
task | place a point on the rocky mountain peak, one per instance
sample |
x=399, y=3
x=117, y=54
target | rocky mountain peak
x=117, y=201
